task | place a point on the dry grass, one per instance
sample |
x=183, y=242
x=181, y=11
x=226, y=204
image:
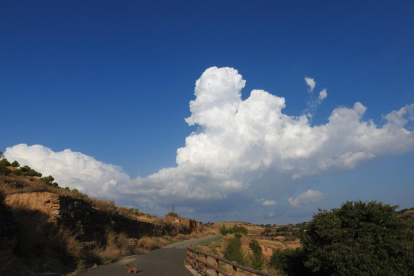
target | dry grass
x=114, y=246
x=46, y=248
x=12, y=184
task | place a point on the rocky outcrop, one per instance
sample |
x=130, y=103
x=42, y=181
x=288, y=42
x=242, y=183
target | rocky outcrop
x=190, y=223
x=89, y=223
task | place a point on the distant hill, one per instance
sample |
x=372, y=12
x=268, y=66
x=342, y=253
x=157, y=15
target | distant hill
x=406, y=213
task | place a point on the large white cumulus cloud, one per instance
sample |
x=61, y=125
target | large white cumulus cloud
x=238, y=143
x=240, y=140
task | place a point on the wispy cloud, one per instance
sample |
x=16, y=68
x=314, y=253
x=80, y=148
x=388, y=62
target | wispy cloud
x=265, y=202
x=311, y=82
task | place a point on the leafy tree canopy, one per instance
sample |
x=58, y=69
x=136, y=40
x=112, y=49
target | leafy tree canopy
x=4, y=162
x=359, y=239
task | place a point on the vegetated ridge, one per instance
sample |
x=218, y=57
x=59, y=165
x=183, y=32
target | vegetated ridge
x=46, y=229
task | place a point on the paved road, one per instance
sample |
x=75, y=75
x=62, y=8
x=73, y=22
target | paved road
x=160, y=262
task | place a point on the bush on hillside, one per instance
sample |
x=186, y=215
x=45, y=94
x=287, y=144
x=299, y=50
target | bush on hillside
x=233, y=230
x=257, y=256
x=15, y=164
x=17, y=172
x=4, y=170
x=173, y=214
x=233, y=251
x=27, y=171
x=49, y=181
x=357, y=239
x=4, y=162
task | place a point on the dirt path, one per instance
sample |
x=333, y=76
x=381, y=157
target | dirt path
x=161, y=262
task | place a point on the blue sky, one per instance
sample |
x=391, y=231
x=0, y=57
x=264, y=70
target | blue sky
x=112, y=80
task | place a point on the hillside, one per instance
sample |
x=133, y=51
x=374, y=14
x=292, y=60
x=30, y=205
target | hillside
x=406, y=213
x=46, y=229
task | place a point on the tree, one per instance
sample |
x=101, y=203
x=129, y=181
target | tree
x=257, y=257
x=4, y=162
x=3, y=167
x=15, y=164
x=27, y=171
x=359, y=239
x=233, y=251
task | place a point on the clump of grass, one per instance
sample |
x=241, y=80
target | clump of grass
x=151, y=243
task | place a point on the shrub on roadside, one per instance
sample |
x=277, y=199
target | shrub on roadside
x=233, y=251
x=290, y=262
x=257, y=257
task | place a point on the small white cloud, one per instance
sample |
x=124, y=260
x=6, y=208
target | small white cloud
x=322, y=94
x=308, y=197
x=265, y=202
x=311, y=82
x=269, y=202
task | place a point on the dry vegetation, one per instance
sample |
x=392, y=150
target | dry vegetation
x=270, y=240
x=47, y=248
x=12, y=184
x=275, y=240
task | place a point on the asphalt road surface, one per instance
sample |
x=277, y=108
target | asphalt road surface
x=165, y=261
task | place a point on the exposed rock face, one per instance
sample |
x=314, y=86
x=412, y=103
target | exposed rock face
x=90, y=223
x=190, y=223
x=8, y=233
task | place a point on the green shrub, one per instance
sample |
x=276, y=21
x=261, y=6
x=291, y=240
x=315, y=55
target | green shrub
x=359, y=239
x=290, y=262
x=25, y=168
x=4, y=170
x=257, y=256
x=4, y=162
x=238, y=235
x=49, y=181
x=233, y=251
x=233, y=230
x=223, y=230
x=27, y=171
x=15, y=164
x=172, y=214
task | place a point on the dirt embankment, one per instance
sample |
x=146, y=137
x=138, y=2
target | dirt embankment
x=88, y=222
